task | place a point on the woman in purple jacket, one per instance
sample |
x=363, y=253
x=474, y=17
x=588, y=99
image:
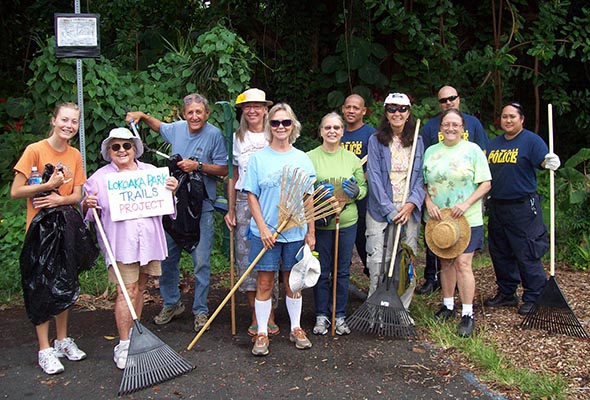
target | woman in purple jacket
x=387, y=171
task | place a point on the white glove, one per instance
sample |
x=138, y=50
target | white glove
x=552, y=161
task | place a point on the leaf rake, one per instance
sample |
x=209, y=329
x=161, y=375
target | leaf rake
x=383, y=313
x=296, y=208
x=149, y=360
x=551, y=311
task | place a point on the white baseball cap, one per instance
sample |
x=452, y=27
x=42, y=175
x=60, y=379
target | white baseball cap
x=397, y=98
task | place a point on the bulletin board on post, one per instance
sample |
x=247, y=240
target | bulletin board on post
x=139, y=194
x=77, y=35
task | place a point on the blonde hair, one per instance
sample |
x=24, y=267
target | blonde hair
x=296, y=124
x=67, y=104
x=241, y=132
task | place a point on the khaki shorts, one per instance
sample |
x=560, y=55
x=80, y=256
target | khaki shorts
x=130, y=272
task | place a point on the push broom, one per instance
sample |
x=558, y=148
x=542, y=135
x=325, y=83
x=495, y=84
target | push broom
x=551, y=311
x=384, y=313
x=149, y=360
x=296, y=208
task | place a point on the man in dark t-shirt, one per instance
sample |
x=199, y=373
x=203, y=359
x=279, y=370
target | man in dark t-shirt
x=356, y=139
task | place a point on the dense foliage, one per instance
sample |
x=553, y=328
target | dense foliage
x=310, y=54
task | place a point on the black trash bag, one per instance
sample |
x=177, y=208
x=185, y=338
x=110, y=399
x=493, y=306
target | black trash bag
x=189, y=202
x=47, y=172
x=57, y=247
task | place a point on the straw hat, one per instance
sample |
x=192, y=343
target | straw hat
x=120, y=133
x=448, y=237
x=306, y=272
x=252, y=96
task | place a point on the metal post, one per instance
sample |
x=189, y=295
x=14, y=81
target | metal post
x=80, y=90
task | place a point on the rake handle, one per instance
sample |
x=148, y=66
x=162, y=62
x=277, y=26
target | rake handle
x=398, y=230
x=113, y=261
x=231, y=281
x=234, y=288
x=551, y=195
x=335, y=273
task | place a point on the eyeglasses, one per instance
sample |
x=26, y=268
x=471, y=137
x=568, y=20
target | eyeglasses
x=253, y=107
x=450, y=98
x=117, y=146
x=330, y=127
x=453, y=125
x=393, y=109
x=275, y=123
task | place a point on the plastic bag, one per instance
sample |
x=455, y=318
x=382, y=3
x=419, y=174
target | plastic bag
x=58, y=246
x=190, y=194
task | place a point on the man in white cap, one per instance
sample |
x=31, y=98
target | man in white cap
x=448, y=97
x=202, y=148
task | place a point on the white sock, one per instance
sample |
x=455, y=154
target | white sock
x=124, y=342
x=467, y=310
x=262, y=308
x=294, y=308
x=449, y=302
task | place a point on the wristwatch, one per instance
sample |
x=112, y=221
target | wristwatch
x=200, y=167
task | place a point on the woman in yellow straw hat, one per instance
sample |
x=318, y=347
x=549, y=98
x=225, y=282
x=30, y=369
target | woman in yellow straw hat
x=247, y=140
x=457, y=176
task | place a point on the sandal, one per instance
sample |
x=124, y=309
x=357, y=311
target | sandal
x=253, y=330
x=273, y=329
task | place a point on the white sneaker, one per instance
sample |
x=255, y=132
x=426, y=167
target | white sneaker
x=120, y=354
x=68, y=348
x=321, y=325
x=49, y=362
x=342, y=327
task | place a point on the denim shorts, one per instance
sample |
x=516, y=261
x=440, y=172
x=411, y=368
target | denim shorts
x=281, y=256
x=476, y=242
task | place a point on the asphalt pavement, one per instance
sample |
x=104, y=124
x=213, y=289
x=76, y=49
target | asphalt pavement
x=358, y=366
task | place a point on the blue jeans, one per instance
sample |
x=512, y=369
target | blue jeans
x=322, y=291
x=200, y=255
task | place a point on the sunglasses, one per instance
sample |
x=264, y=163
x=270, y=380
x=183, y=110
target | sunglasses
x=450, y=98
x=275, y=123
x=117, y=146
x=393, y=109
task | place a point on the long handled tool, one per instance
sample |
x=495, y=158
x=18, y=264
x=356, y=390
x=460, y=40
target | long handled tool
x=342, y=199
x=296, y=208
x=228, y=118
x=383, y=313
x=335, y=273
x=149, y=360
x=551, y=311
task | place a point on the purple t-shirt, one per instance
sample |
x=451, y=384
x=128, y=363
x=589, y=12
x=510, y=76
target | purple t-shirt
x=132, y=240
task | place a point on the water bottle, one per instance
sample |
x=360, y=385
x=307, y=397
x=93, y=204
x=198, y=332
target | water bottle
x=35, y=178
